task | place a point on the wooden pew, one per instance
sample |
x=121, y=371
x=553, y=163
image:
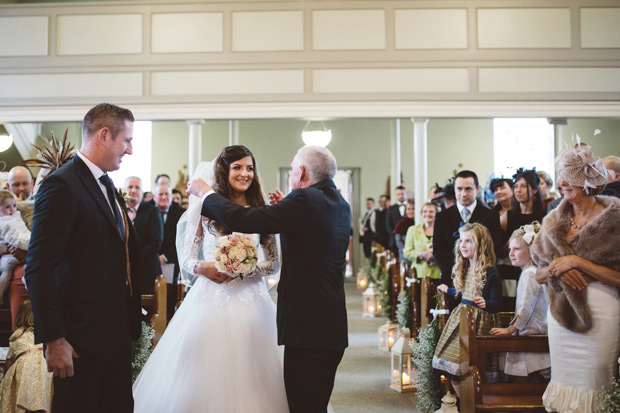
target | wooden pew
x=6, y=327
x=155, y=305
x=394, y=287
x=479, y=396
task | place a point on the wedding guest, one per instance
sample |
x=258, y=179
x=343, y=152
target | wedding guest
x=577, y=256
x=466, y=210
x=368, y=226
x=382, y=236
x=553, y=204
x=170, y=214
x=149, y=226
x=476, y=284
x=177, y=197
x=400, y=230
x=162, y=179
x=27, y=385
x=546, y=183
x=612, y=163
x=13, y=234
x=81, y=271
x=20, y=183
x=148, y=197
x=419, y=244
x=530, y=311
x=395, y=213
x=503, y=190
x=527, y=204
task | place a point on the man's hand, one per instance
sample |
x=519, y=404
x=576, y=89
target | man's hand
x=198, y=187
x=275, y=196
x=208, y=270
x=18, y=253
x=59, y=355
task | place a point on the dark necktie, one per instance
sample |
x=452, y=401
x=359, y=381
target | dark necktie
x=109, y=187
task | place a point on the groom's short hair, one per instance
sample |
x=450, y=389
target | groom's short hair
x=319, y=161
x=105, y=114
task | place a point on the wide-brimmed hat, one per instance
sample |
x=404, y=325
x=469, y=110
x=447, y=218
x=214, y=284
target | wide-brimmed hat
x=578, y=166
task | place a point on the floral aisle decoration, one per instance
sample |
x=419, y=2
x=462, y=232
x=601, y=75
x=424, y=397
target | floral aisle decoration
x=141, y=350
x=404, y=313
x=608, y=398
x=428, y=383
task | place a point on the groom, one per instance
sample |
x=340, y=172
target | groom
x=314, y=222
x=82, y=272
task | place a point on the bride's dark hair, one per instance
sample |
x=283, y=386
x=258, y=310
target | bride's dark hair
x=254, y=195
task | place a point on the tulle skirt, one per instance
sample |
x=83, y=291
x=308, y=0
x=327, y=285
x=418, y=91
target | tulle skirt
x=219, y=354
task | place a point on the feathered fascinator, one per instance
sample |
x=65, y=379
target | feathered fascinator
x=530, y=176
x=578, y=166
x=52, y=156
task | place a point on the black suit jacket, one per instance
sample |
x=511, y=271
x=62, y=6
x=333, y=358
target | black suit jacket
x=445, y=233
x=168, y=245
x=76, y=271
x=382, y=236
x=150, y=229
x=393, y=216
x=314, y=224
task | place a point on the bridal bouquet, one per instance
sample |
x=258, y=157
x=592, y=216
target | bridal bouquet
x=235, y=255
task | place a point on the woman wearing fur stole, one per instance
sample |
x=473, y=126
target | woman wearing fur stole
x=576, y=252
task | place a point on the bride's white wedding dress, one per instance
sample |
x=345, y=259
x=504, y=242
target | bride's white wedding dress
x=219, y=353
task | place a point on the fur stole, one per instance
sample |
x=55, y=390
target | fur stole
x=597, y=242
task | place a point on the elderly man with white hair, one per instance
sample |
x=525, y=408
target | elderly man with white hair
x=315, y=223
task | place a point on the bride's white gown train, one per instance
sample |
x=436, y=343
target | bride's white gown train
x=219, y=353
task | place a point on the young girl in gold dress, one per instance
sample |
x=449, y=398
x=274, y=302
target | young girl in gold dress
x=27, y=385
x=477, y=283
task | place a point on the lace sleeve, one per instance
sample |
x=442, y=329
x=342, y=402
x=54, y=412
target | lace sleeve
x=190, y=261
x=271, y=264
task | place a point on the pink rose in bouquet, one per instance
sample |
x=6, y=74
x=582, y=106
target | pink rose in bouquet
x=235, y=255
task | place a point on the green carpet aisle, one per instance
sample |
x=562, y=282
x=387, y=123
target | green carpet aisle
x=363, y=378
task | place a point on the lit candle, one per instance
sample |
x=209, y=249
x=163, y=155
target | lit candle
x=390, y=341
x=363, y=283
x=371, y=309
x=406, y=379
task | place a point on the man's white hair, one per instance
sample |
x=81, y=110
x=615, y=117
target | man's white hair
x=319, y=162
x=162, y=187
x=133, y=177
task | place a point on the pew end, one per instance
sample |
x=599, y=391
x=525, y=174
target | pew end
x=155, y=305
x=479, y=396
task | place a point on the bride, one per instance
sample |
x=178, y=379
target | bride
x=219, y=353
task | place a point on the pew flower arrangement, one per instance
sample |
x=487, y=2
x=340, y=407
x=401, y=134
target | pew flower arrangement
x=403, y=308
x=141, y=350
x=235, y=255
x=429, y=386
x=608, y=398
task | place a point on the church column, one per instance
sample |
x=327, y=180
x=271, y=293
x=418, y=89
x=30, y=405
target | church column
x=420, y=165
x=195, y=144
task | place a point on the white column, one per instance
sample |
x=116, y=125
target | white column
x=398, y=181
x=195, y=144
x=420, y=165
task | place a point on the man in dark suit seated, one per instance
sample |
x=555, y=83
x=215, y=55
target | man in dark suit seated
x=467, y=209
x=395, y=213
x=314, y=223
x=82, y=271
x=149, y=226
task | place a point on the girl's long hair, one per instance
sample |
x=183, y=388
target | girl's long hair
x=254, y=195
x=484, y=257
